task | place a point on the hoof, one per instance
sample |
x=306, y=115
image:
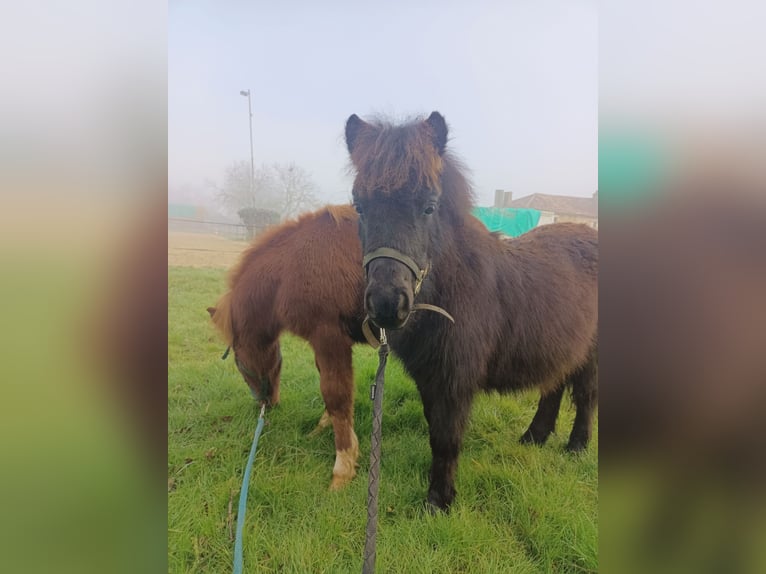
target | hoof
x=576, y=447
x=434, y=510
x=529, y=438
x=435, y=505
x=345, y=465
x=324, y=422
x=339, y=482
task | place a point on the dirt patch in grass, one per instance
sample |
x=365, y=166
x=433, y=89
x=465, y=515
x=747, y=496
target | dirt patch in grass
x=202, y=250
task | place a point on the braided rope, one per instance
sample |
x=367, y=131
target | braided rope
x=376, y=394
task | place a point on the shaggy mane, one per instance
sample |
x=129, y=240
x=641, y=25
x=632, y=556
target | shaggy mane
x=388, y=158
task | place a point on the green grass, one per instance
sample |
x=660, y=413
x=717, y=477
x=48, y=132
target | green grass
x=518, y=509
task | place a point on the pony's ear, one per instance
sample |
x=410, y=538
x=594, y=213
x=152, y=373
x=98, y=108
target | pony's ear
x=438, y=131
x=211, y=310
x=354, y=126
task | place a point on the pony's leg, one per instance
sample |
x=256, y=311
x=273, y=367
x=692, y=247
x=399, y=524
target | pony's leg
x=324, y=421
x=585, y=396
x=336, y=381
x=544, y=422
x=446, y=416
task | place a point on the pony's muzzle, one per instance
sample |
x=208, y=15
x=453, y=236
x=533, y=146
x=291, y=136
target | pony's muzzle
x=389, y=296
x=387, y=308
x=388, y=311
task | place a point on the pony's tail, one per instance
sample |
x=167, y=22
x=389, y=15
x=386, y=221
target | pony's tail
x=221, y=316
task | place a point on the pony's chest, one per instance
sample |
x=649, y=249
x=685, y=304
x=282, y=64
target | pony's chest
x=430, y=349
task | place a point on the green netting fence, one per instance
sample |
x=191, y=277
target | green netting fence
x=508, y=220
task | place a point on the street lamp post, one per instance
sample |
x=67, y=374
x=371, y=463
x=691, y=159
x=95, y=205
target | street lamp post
x=252, y=162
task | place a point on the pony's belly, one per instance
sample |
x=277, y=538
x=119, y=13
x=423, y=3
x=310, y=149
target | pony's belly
x=510, y=377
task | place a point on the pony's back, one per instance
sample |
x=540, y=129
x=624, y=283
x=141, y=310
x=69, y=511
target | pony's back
x=294, y=276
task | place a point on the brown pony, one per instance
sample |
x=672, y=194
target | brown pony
x=525, y=310
x=305, y=277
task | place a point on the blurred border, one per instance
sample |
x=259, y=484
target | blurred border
x=682, y=284
x=83, y=174
x=83, y=160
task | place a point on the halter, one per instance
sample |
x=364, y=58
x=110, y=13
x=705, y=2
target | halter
x=263, y=383
x=409, y=262
x=420, y=275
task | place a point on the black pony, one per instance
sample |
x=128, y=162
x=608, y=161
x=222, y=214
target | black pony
x=525, y=310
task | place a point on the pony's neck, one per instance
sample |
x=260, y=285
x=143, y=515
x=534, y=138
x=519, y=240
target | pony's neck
x=457, y=239
x=457, y=232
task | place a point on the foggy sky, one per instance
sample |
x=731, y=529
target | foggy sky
x=516, y=81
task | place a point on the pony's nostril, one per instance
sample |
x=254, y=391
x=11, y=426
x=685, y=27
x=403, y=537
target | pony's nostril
x=402, y=311
x=369, y=307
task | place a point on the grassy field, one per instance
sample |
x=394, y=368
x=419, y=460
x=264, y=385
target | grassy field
x=518, y=509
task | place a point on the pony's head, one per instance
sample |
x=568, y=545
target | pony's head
x=398, y=193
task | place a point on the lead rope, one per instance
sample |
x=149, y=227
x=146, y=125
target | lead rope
x=243, y=494
x=376, y=395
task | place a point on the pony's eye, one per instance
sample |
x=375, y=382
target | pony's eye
x=358, y=208
x=429, y=209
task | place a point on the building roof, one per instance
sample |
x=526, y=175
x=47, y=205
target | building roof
x=561, y=204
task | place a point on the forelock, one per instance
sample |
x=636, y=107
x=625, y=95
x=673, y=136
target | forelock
x=393, y=158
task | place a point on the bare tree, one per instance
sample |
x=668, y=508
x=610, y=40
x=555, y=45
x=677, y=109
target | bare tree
x=235, y=193
x=295, y=189
x=285, y=188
